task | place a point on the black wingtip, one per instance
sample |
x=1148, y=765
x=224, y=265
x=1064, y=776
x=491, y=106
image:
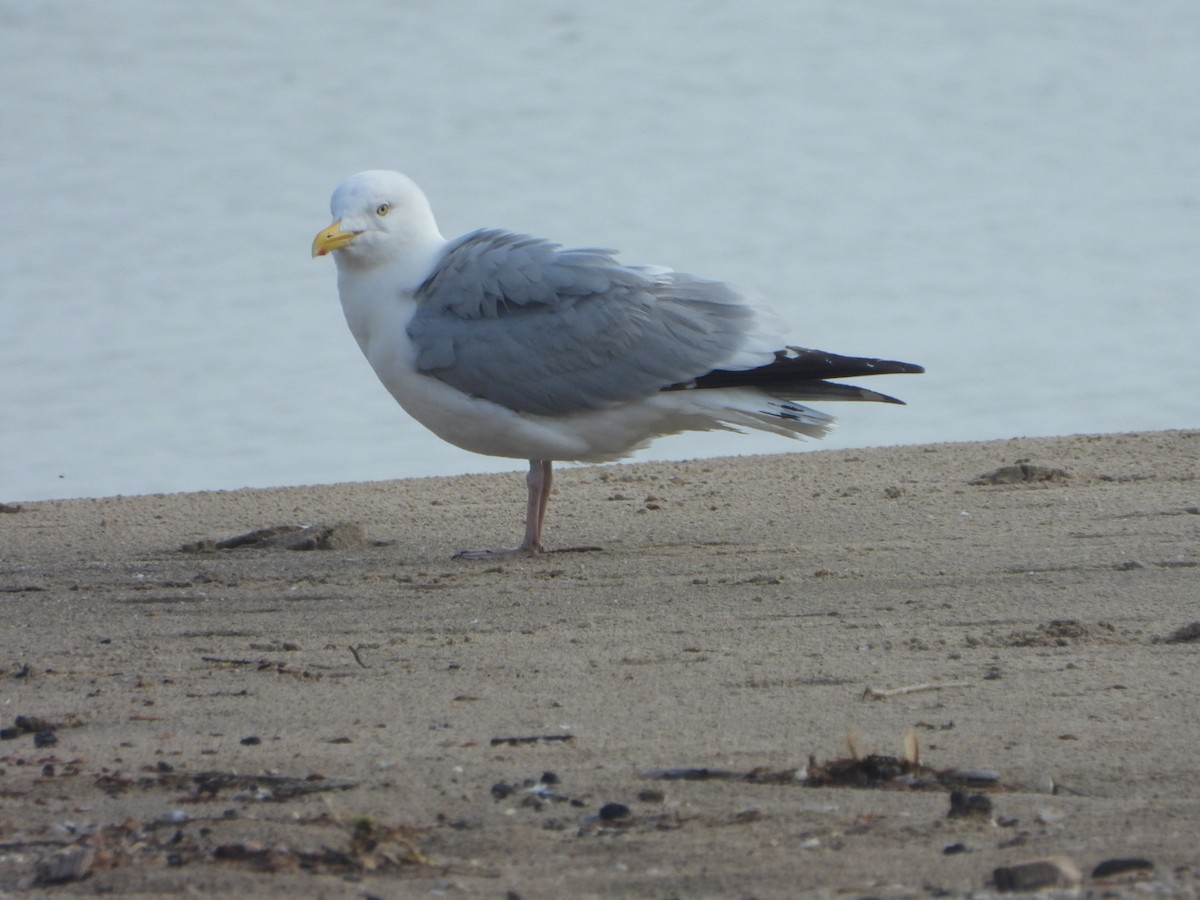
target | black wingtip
x=880, y=398
x=823, y=364
x=800, y=374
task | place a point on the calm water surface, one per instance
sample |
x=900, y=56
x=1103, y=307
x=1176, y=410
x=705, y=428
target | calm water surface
x=1006, y=193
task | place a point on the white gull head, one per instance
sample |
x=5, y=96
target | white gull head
x=381, y=220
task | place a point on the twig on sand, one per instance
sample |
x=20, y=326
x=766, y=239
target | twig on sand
x=883, y=693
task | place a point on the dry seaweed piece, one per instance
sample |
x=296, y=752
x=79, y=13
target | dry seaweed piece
x=533, y=739
x=872, y=770
x=376, y=846
x=1022, y=473
x=1184, y=634
x=262, y=665
x=859, y=769
x=373, y=847
x=697, y=773
x=875, y=770
x=248, y=539
x=206, y=785
x=340, y=536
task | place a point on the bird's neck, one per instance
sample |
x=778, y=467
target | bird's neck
x=368, y=286
x=373, y=303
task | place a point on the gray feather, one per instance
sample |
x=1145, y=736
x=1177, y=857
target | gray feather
x=538, y=329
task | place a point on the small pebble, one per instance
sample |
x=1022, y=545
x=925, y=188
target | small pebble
x=610, y=812
x=69, y=864
x=1047, y=816
x=1044, y=784
x=971, y=777
x=251, y=741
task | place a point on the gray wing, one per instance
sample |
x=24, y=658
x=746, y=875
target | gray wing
x=538, y=329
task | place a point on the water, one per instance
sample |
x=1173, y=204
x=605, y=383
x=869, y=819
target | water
x=1007, y=193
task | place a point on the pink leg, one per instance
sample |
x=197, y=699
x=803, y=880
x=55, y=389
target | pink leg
x=539, y=481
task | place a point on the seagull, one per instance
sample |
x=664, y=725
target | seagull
x=510, y=345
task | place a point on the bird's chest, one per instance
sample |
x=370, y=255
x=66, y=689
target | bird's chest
x=378, y=318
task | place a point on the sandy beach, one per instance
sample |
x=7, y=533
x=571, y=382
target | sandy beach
x=642, y=712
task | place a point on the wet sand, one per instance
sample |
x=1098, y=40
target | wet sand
x=373, y=718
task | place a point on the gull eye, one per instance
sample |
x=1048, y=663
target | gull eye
x=383, y=209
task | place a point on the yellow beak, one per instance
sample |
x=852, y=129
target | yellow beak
x=332, y=238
